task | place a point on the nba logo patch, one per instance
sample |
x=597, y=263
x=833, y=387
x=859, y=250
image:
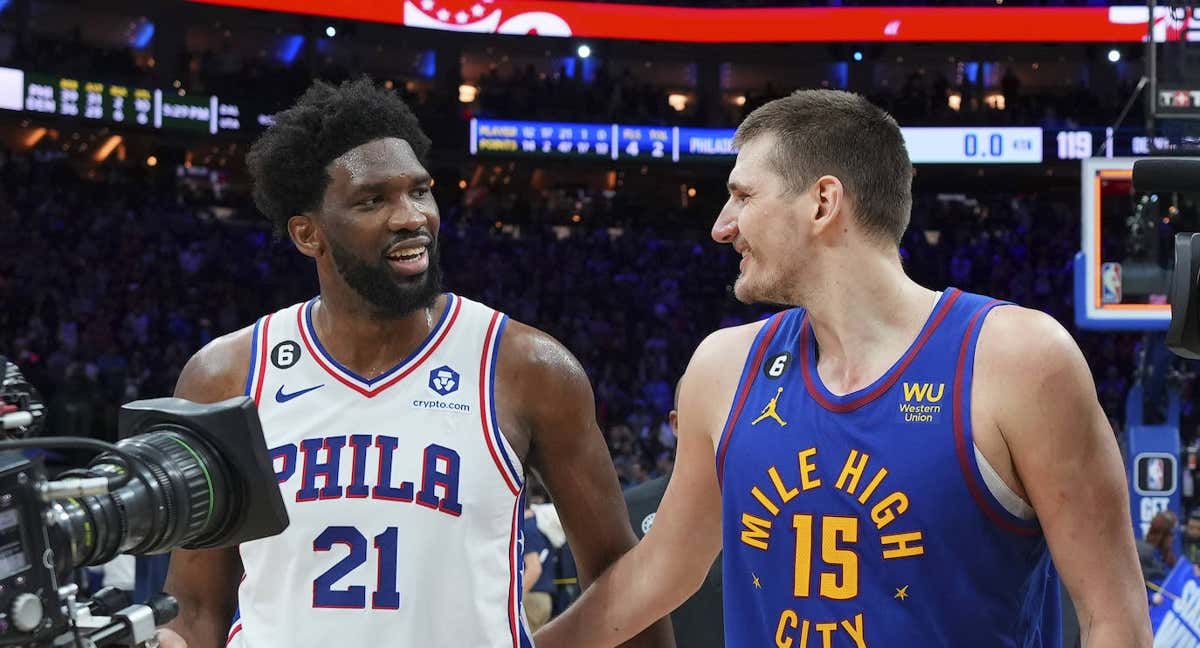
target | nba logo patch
x=1110, y=283
x=443, y=380
x=1154, y=474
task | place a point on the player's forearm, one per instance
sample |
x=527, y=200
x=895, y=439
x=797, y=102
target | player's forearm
x=601, y=617
x=659, y=635
x=1129, y=633
x=203, y=622
x=627, y=598
x=200, y=630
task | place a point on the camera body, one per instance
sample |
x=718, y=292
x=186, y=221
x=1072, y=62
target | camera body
x=1178, y=175
x=184, y=475
x=30, y=602
x=1183, y=336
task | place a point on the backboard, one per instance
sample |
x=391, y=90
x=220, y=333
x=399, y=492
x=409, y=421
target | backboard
x=1122, y=272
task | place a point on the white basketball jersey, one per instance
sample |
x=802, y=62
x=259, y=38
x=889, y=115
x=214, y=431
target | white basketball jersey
x=404, y=497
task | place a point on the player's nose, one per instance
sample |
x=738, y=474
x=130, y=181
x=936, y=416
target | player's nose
x=725, y=230
x=407, y=217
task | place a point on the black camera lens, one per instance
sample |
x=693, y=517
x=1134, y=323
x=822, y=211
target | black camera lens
x=179, y=493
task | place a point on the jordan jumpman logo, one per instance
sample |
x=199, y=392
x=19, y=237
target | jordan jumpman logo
x=769, y=412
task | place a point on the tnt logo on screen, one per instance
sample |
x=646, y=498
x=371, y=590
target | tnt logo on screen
x=922, y=402
x=443, y=380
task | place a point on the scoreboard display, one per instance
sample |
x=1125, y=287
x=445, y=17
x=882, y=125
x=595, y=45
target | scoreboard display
x=543, y=138
x=94, y=100
x=677, y=144
x=90, y=100
x=122, y=105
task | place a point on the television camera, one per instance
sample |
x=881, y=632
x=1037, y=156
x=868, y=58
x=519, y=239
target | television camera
x=1173, y=175
x=184, y=475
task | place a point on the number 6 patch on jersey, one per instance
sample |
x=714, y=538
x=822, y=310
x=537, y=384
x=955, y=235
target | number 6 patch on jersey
x=774, y=367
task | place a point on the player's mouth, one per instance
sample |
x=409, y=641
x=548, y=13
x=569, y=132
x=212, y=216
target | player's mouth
x=409, y=259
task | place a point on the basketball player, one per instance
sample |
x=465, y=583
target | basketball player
x=402, y=420
x=885, y=465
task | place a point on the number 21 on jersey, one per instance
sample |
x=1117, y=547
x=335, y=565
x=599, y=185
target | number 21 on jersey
x=385, y=597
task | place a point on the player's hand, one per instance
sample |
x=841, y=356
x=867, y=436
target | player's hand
x=169, y=639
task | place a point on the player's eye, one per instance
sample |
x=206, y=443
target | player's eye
x=373, y=201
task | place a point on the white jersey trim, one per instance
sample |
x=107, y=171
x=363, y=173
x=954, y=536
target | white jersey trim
x=258, y=359
x=502, y=454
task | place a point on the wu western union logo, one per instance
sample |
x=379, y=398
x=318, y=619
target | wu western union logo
x=921, y=402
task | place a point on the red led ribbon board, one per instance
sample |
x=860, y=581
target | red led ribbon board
x=793, y=24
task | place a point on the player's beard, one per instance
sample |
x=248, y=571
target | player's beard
x=392, y=295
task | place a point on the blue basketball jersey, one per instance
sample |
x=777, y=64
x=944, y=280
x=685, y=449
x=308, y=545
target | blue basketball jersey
x=863, y=520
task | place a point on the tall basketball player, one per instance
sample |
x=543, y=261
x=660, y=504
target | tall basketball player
x=884, y=464
x=402, y=420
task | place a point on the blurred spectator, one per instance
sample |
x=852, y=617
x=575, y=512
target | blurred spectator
x=1155, y=550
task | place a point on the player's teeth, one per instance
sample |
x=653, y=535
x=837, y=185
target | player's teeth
x=407, y=253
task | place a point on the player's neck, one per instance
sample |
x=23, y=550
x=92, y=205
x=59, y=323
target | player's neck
x=865, y=316
x=366, y=343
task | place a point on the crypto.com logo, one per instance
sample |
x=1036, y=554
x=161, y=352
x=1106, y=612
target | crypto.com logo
x=481, y=16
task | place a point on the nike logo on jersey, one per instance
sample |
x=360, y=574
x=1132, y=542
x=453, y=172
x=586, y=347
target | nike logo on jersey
x=281, y=397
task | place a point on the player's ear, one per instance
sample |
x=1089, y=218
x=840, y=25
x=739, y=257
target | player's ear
x=830, y=199
x=303, y=230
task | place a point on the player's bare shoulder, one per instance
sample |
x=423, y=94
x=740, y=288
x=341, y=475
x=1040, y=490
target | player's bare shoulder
x=725, y=348
x=534, y=354
x=1024, y=345
x=1025, y=363
x=217, y=371
x=537, y=380
x=712, y=376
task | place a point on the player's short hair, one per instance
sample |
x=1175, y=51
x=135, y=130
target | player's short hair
x=831, y=132
x=288, y=161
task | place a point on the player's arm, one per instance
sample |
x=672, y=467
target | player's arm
x=1066, y=457
x=672, y=560
x=533, y=571
x=205, y=581
x=555, y=406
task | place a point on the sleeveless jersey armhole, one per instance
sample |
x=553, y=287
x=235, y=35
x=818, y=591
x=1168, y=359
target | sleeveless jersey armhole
x=258, y=359
x=981, y=490
x=502, y=454
x=753, y=362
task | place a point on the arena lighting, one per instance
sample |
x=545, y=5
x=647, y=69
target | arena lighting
x=1114, y=55
x=34, y=137
x=858, y=56
x=142, y=37
x=467, y=93
x=151, y=161
x=107, y=148
x=584, y=51
x=330, y=31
